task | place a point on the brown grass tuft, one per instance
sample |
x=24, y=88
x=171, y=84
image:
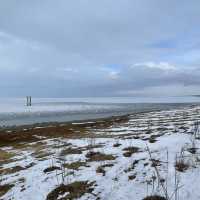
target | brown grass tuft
x=74, y=190
x=97, y=156
x=155, y=197
x=51, y=169
x=5, y=188
x=130, y=150
x=181, y=166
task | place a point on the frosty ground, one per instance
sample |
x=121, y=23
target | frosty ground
x=120, y=158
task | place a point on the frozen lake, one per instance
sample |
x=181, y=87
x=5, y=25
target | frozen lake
x=13, y=111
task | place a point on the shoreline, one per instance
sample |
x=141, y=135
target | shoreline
x=42, y=119
x=72, y=129
x=44, y=125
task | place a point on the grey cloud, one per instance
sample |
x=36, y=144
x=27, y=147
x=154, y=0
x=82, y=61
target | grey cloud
x=60, y=47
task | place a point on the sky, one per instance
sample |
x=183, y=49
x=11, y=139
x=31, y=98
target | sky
x=92, y=48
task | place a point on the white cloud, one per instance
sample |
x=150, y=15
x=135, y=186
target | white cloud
x=160, y=65
x=68, y=69
x=114, y=75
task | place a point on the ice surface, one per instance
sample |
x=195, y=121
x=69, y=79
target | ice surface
x=14, y=111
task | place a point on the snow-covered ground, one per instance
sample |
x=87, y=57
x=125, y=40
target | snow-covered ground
x=135, y=153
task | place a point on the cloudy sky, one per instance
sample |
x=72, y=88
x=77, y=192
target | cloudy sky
x=74, y=48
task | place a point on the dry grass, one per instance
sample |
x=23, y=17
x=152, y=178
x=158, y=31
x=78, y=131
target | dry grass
x=51, y=169
x=152, y=140
x=155, y=162
x=101, y=170
x=4, y=155
x=11, y=170
x=70, y=150
x=131, y=177
x=75, y=165
x=154, y=197
x=97, y=156
x=116, y=145
x=90, y=147
x=193, y=150
x=74, y=190
x=5, y=188
x=132, y=167
x=181, y=166
x=130, y=150
x=30, y=134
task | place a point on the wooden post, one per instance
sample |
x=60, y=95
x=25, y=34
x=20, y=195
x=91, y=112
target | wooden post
x=28, y=101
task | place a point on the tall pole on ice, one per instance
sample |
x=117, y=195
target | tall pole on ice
x=28, y=101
